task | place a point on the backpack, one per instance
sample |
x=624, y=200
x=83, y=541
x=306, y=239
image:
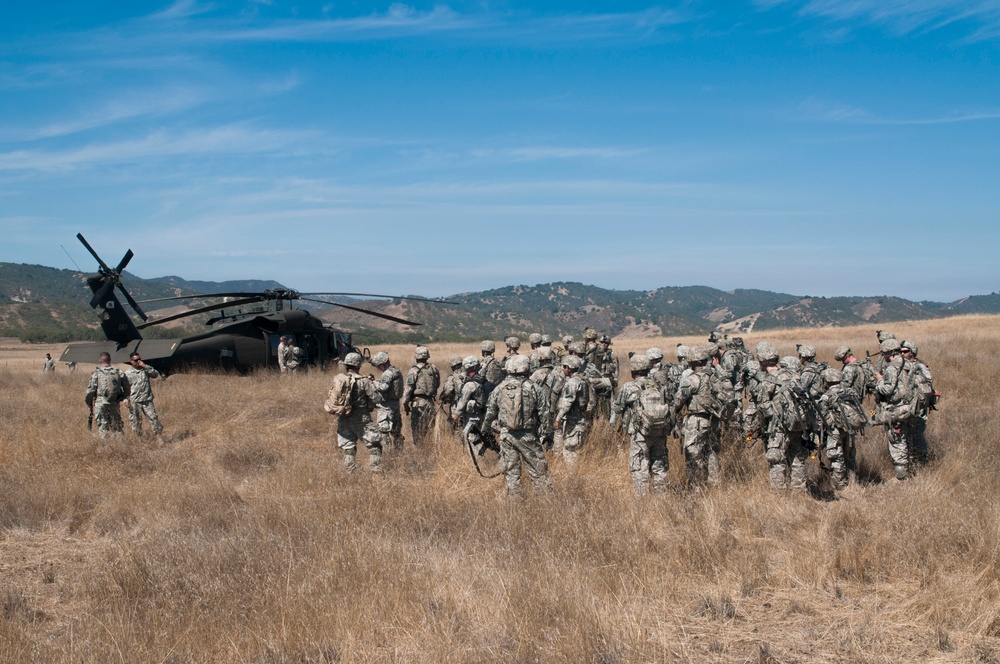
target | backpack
x=723, y=394
x=920, y=390
x=848, y=413
x=425, y=383
x=511, y=404
x=338, y=402
x=653, y=410
x=109, y=386
x=478, y=397
x=794, y=408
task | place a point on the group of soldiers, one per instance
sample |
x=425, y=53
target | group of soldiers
x=547, y=401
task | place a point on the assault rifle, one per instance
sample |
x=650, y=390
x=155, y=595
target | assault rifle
x=90, y=417
x=485, y=439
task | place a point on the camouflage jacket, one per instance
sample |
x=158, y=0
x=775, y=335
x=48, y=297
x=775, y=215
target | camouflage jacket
x=105, y=383
x=491, y=370
x=138, y=380
x=389, y=387
x=537, y=419
x=471, y=398
x=422, y=382
x=452, y=386
x=575, y=399
x=626, y=402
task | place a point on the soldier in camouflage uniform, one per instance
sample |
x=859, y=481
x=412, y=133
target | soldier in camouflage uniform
x=700, y=430
x=599, y=384
x=908, y=350
x=854, y=376
x=550, y=378
x=809, y=374
x=535, y=341
x=108, y=387
x=513, y=348
x=840, y=438
x=647, y=455
x=786, y=449
x=575, y=400
x=49, y=364
x=882, y=336
x=419, y=392
x=607, y=364
x=893, y=407
x=655, y=356
x=450, y=389
x=564, y=351
x=358, y=424
x=389, y=390
x=489, y=366
x=140, y=399
x=590, y=346
x=470, y=407
x=522, y=411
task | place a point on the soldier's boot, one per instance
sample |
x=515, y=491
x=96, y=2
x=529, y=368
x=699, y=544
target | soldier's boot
x=714, y=473
x=350, y=462
x=901, y=472
x=777, y=474
x=375, y=462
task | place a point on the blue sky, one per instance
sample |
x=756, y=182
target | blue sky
x=821, y=147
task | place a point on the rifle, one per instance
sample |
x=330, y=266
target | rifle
x=90, y=418
x=487, y=441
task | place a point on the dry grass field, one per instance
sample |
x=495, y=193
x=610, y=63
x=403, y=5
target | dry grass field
x=242, y=539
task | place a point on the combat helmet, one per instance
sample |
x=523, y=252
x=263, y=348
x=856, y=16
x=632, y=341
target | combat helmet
x=421, y=353
x=806, y=352
x=518, y=365
x=832, y=376
x=639, y=362
x=471, y=362
x=380, y=357
x=353, y=360
x=512, y=342
x=841, y=353
x=572, y=362
x=535, y=339
x=654, y=354
x=455, y=362
x=765, y=352
x=488, y=346
x=889, y=346
x=590, y=334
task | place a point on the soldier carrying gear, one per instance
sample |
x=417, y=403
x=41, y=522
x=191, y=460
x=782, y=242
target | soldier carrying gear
x=522, y=411
x=546, y=340
x=843, y=417
x=108, y=387
x=388, y=392
x=419, y=392
x=924, y=397
x=534, y=340
x=642, y=406
x=701, y=430
x=513, y=345
x=550, y=378
x=140, y=400
x=357, y=423
x=574, y=401
x=490, y=368
x=289, y=355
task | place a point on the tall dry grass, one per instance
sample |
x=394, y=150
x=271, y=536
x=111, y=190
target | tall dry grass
x=242, y=539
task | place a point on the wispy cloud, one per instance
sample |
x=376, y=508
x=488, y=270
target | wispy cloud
x=904, y=17
x=813, y=109
x=539, y=153
x=229, y=140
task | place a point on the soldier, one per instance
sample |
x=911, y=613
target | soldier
x=733, y=360
x=551, y=380
x=520, y=408
x=452, y=386
x=357, y=425
x=842, y=412
x=700, y=430
x=108, y=387
x=908, y=350
x=590, y=345
x=388, y=392
x=786, y=448
x=809, y=375
x=140, y=400
x=655, y=356
x=882, y=335
x=470, y=407
x=547, y=342
x=289, y=355
x=571, y=410
x=513, y=347
x=855, y=375
x=419, y=393
x=49, y=364
x=633, y=409
x=489, y=367
x=535, y=341
x=893, y=407
x=564, y=351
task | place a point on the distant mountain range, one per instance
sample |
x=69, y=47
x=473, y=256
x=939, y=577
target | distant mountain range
x=46, y=304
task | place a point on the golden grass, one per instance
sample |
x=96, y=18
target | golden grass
x=243, y=540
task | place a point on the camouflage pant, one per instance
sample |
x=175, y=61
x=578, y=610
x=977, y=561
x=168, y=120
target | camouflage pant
x=569, y=438
x=354, y=427
x=518, y=446
x=901, y=442
x=648, y=461
x=422, y=414
x=841, y=451
x=786, y=457
x=389, y=423
x=108, y=418
x=136, y=411
x=919, y=446
x=701, y=441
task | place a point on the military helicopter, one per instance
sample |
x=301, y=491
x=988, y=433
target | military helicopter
x=238, y=340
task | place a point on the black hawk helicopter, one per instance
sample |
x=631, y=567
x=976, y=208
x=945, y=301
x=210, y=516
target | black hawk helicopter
x=237, y=341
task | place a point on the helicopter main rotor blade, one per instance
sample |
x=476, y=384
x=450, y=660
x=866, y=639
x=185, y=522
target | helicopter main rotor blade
x=199, y=295
x=211, y=307
x=79, y=236
x=365, y=311
x=394, y=297
x=131, y=301
x=125, y=259
x=102, y=293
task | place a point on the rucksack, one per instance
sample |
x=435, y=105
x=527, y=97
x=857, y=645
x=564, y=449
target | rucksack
x=338, y=402
x=425, y=382
x=794, y=408
x=478, y=397
x=723, y=394
x=848, y=413
x=511, y=404
x=109, y=386
x=919, y=389
x=653, y=410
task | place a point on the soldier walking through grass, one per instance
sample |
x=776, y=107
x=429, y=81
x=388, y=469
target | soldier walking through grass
x=419, y=394
x=635, y=411
x=352, y=399
x=575, y=399
x=389, y=390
